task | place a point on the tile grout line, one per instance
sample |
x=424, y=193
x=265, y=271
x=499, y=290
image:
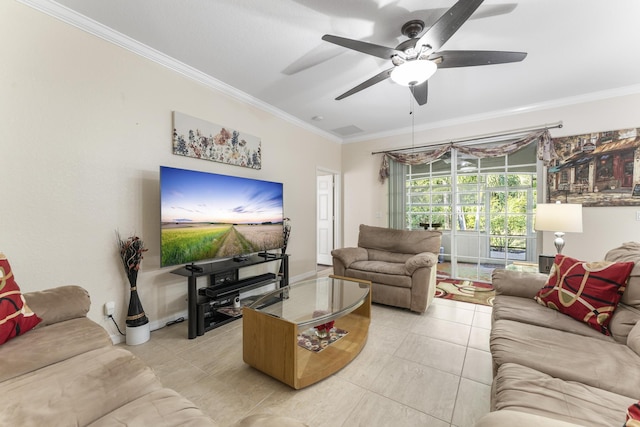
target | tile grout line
x=466, y=351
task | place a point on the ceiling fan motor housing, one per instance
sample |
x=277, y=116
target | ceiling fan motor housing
x=411, y=29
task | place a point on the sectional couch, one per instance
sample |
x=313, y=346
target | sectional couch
x=67, y=372
x=553, y=370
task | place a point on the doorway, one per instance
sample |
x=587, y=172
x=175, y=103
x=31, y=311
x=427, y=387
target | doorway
x=326, y=216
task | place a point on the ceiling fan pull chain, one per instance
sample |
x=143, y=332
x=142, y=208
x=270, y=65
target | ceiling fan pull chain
x=413, y=116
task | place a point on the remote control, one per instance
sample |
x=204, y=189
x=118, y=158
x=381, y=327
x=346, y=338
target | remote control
x=194, y=268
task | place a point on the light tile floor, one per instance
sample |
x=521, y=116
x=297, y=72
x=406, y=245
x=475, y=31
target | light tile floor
x=432, y=369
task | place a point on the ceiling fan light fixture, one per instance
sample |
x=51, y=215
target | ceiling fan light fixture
x=413, y=72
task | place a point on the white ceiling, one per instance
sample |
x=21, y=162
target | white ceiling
x=270, y=52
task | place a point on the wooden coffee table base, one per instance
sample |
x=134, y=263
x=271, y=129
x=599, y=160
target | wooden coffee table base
x=270, y=345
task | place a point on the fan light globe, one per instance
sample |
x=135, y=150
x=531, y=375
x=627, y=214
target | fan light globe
x=413, y=72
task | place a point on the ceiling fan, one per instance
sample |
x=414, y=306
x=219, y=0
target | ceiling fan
x=416, y=59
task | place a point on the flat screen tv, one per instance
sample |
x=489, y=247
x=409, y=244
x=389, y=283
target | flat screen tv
x=207, y=216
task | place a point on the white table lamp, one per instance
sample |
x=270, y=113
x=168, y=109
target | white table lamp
x=560, y=218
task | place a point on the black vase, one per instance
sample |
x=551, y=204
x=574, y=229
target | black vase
x=135, y=314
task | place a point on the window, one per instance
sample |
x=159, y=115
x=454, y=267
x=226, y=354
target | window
x=484, y=207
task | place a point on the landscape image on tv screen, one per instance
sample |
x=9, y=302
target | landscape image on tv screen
x=205, y=216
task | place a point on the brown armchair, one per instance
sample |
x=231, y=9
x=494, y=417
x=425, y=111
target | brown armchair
x=401, y=265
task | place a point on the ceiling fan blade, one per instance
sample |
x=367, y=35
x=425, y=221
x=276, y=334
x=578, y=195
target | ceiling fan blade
x=365, y=84
x=494, y=10
x=449, y=23
x=318, y=55
x=471, y=58
x=420, y=92
x=364, y=47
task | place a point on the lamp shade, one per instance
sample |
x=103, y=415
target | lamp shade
x=413, y=72
x=565, y=217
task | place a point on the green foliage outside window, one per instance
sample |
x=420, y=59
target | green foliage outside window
x=430, y=202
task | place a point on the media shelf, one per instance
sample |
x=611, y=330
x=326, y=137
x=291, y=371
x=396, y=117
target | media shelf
x=211, y=306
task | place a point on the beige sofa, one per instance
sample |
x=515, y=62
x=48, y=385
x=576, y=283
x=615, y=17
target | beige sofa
x=552, y=370
x=400, y=264
x=67, y=372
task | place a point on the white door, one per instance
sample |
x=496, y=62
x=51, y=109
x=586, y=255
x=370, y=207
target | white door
x=325, y=219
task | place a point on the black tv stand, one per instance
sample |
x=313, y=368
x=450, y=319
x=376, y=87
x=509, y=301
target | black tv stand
x=212, y=306
x=266, y=254
x=193, y=267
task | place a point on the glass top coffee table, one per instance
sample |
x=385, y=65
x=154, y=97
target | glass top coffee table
x=279, y=329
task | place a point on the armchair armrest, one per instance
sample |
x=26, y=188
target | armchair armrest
x=348, y=256
x=517, y=283
x=423, y=259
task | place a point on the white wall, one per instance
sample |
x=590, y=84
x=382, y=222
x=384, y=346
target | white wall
x=85, y=127
x=604, y=227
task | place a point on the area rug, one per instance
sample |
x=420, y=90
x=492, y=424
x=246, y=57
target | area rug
x=466, y=291
x=310, y=341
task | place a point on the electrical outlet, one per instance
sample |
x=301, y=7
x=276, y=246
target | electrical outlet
x=637, y=215
x=109, y=308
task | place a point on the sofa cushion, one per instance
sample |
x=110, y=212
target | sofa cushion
x=399, y=241
x=160, y=408
x=623, y=320
x=524, y=389
x=59, y=304
x=629, y=252
x=595, y=362
x=395, y=257
x=527, y=310
x=633, y=415
x=50, y=344
x=16, y=317
x=380, y=267
x=399, y=280
x=633, y=340
x=517, y=283
x=76, y=391
x=586, y=291
x=508, y=418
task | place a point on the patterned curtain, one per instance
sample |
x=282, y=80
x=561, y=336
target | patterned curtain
x=417, y=158
x=546, y=153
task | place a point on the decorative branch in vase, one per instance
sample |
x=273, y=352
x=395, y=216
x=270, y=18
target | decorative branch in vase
x=131, y=250
x=286, y=231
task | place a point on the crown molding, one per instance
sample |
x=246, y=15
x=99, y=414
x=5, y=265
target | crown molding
x=97, y=29
x=547, y=105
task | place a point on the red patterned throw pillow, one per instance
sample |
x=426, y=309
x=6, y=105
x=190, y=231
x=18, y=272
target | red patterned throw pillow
x=586, y=291
x=633, y=416
x=16, y=317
